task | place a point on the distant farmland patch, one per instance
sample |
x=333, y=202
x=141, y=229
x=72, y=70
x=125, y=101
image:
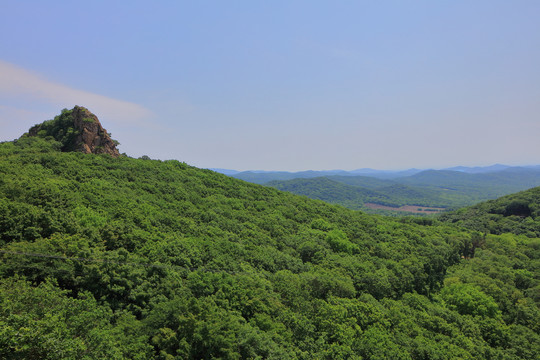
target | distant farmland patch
x=406, y=208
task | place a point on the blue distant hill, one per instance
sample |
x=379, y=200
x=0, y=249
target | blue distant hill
x=447, y=188
x=264, y=176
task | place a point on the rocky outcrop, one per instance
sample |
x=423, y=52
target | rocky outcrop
x=78, y=130
x=93, y=138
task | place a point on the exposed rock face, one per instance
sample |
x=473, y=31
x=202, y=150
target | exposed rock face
x=78, y=130
x=93, y=138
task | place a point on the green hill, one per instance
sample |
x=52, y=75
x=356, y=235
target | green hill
x=516, y=213
x=106, y=257
x=362, y=181
x=326, y=189
x=491, y=184
x=431, y=188
x=262, y=177
x=354, y=197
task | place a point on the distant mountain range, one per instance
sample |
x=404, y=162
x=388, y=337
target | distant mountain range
x=445, y=189
x=263, y=176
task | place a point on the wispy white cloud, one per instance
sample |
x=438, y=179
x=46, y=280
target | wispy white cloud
x=22, y=86
x=15, y=121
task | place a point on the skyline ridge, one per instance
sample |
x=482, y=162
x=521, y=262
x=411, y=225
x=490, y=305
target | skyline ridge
x=360, y=171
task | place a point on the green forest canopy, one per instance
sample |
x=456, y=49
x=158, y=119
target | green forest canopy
x=143, y=259
x=516, y=213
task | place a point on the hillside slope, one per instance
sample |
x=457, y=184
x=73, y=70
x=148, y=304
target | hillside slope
x=355, y=197
x=106, y=257
x=326, y=189
x=482, y=185
x=431, y=188
x=516, y=213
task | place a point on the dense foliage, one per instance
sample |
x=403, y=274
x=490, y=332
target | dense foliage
x=61, y=129
x=517, y=213
x=339, y=190
x=133, y=258
x=323, y=188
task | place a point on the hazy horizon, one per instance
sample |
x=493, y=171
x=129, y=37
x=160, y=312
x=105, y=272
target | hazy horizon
x=284, y=85
x=376, y=169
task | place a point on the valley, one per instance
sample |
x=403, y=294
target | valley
x=407, y=191
x=406, y=208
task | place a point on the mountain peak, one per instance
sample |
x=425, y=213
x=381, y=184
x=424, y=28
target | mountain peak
x=77, y=129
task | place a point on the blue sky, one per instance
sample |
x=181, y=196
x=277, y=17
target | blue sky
x=283, y=85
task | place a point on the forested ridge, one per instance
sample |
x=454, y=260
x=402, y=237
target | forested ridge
x=117, y=258
x=354, y=197
x=516, y=213
x=431, y=188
